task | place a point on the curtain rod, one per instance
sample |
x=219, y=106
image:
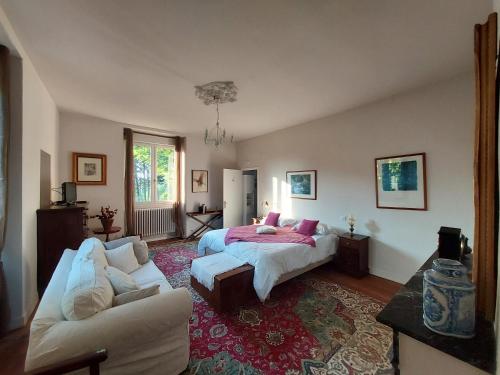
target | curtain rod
x=153, y=135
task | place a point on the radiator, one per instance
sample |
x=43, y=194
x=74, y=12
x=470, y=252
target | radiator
x=154, y=221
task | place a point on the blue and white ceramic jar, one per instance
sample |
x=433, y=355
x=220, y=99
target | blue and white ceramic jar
x=449, y=299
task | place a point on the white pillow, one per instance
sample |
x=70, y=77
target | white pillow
x=135, y=295
x=140, y=247
x=265, y=229
x=88, y=290
x=91, y=248
x=120, y=281
x=123, y=258
x=322, y=229
x=282, y=222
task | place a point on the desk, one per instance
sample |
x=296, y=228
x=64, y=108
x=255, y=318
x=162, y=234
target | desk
x=107, y=232
x=207, y=224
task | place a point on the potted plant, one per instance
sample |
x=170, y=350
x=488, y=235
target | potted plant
x=107, y=217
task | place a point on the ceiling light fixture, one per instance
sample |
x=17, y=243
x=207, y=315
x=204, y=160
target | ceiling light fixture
x=217, y=92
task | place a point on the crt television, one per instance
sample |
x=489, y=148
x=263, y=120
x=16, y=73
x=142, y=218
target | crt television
x=69, y=192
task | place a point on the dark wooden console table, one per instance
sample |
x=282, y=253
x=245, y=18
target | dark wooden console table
x=404, y=315
x=205, y=225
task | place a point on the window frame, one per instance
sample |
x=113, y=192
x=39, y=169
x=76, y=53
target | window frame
x=155, y=203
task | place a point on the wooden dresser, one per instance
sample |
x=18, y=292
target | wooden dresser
x=58, y=228
x=352, y=254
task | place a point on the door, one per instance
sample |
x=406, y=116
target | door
x=249, y=197
x=45, y=182
x=232, y=186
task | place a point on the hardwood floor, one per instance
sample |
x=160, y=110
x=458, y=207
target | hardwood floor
x=373, y=286
x=13, y=347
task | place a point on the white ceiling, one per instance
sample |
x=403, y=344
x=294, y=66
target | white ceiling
x=293, y=60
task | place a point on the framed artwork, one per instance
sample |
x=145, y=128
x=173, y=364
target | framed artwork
x=199, y=181
x=89, y=169
x=302, y=184
x=400, y=182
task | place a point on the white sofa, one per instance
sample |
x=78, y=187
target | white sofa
x=149, y=336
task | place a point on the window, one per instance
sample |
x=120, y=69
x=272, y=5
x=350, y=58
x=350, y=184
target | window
x=155, y=174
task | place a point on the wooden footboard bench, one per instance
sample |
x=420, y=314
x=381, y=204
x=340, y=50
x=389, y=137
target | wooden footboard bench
x=231, y=289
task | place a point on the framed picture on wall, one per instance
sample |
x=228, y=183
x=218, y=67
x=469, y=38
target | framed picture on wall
x=401, y=182
x=199, y=181
x=89, y=169
x=302, y=184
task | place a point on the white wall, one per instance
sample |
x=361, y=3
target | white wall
x=201, y=156
x=35, y=127
x=438, y=120
x=82, y=133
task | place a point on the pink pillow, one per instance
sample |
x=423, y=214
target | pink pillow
x=307, y=227
x=272, y=219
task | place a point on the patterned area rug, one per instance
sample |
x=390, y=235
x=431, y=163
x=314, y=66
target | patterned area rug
x=308, y=326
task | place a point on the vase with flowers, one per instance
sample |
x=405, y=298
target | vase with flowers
x=107, y=217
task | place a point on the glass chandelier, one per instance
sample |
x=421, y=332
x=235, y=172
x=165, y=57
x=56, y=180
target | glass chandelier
x=217, y=135
x=217, y=93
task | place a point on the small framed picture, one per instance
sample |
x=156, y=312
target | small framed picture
x=89, y=169
x=199, y=181
x=302, y=184
x=401, y=182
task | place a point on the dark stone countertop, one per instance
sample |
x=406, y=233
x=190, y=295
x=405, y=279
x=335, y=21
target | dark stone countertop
x=404, y=313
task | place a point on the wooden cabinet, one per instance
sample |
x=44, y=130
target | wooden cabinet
x=58, y=228
x=352, y=254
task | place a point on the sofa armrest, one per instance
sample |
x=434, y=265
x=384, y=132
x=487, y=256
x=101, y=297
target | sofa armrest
x=121, y=329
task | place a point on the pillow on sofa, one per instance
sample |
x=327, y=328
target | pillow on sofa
x=135, y=295
x=265, y=229
x=91, y=248
x=120, y=242
x=140, y=247
x=123, y=258
x=88, y=290
x=141, y=251
x=120, y=281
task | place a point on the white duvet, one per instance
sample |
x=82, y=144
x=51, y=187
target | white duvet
x=271, y=260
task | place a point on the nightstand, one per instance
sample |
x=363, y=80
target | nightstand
x=352, y=254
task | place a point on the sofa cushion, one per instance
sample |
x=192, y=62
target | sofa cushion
x=120, y=281
x=147, y=274
x=88, y=290
x=140, y=247
x=123, y=258
x=135, y=295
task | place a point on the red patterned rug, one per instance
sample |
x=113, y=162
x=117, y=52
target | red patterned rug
x=308, y=326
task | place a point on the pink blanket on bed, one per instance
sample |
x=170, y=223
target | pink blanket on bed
x=247, y=233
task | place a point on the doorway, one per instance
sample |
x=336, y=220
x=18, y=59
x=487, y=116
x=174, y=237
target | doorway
x=249, y=196
x=45, y=182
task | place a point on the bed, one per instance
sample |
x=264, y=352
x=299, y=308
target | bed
x=274, y=262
